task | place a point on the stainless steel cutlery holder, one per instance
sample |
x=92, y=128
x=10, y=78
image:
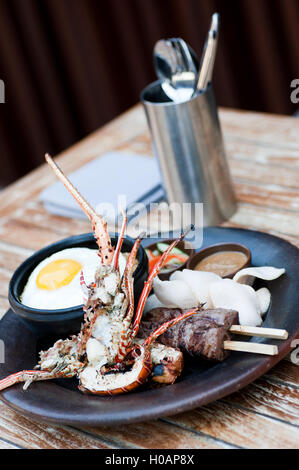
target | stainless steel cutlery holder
x=188, y=143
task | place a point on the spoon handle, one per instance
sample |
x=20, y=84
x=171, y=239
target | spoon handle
x=209, y=54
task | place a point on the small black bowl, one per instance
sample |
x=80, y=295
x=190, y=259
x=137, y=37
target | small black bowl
x=183, y=245
x=67, y=320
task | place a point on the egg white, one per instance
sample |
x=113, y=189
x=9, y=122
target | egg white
x=66, y=296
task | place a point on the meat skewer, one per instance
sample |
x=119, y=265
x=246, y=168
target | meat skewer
x=208, y=333
x=204, y=336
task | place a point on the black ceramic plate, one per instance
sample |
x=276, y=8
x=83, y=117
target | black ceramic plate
x=60, y=401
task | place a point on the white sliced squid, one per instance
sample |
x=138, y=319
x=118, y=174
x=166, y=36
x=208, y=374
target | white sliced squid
x=229, y=294
x=185, y=289
x=267, y=273
x=264, y=299
x=188, y=288
x=174, y=294
x=199, y=282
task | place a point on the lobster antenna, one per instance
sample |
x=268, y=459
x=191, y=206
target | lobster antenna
x=89, y=211
x=99, y=226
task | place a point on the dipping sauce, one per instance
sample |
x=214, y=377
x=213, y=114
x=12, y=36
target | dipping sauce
x=222, y=263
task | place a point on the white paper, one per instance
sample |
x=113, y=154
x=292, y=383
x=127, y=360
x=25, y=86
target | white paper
x=104, y=180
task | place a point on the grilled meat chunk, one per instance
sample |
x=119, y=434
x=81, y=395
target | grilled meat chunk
x=201, y=335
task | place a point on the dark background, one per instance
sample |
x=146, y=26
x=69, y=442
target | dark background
x=69, y=66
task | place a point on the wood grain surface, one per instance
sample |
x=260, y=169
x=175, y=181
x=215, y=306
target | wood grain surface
x=263, y=154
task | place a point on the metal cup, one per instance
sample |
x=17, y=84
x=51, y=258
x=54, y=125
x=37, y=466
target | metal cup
x=188, y=142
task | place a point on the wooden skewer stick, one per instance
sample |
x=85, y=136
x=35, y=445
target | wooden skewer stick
x=258, y=348
x=274, y=333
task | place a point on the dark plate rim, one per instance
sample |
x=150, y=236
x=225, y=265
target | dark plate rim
x=209, y=390
x=181, y=405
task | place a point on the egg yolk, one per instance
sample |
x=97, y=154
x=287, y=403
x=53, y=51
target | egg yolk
x=57, y=274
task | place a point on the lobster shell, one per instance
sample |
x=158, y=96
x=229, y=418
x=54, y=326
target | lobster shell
x=141, y=379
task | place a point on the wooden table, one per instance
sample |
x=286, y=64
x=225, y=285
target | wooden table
x=263, y=153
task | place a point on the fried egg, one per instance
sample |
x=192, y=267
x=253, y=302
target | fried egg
x=55, y=282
